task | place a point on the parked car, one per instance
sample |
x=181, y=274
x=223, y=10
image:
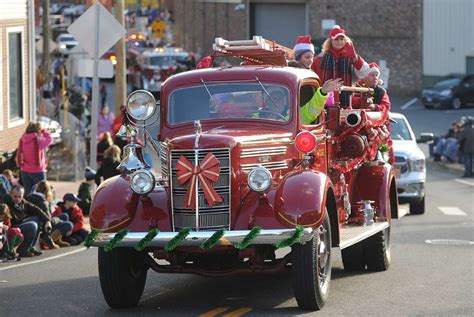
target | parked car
x=53, y=126
x=74, y=10
x=410, y=164
x=66, y=42
x=454, y=91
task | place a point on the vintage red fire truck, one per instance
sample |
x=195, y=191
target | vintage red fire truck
x=239, y=181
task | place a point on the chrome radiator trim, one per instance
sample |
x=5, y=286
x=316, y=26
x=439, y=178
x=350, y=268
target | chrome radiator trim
x=204, y=215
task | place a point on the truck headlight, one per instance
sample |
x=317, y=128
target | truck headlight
x=259, y=179
x=141, y=105
x=142, y=182
x=417, y=165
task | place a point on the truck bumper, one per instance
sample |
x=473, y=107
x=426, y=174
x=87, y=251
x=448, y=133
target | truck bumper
x=198, y=238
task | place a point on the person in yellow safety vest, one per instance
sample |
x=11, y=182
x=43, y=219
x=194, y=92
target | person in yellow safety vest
x=276, y=103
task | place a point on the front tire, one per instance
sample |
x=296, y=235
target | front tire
x=122, y=274
x=311, y=268
x=418, y=208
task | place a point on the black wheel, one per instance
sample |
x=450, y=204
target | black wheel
x=377, y=251
x=456, y=103
x=353, y=258
x=311, y=269
x=122, y=274
x=418, y=208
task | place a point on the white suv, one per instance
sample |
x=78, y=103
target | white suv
x=410, y=163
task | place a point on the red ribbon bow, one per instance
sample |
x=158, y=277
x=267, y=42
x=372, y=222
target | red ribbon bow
x=207, y=170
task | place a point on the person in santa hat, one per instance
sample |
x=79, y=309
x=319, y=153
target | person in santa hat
x=338, y=59
x=378, y=100
x=303, y=52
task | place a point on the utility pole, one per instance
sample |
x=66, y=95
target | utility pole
x=120, y=67
x=46, y=39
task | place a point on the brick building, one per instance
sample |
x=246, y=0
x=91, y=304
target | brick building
x=386, y=31
x=16, y=105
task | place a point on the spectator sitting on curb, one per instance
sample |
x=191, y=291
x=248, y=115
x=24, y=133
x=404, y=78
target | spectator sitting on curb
x=108, y=168
x=41, y=197
x=448, y=145
x=69, y=206
x=86, y=191
x=30, y=219
x=10, y=238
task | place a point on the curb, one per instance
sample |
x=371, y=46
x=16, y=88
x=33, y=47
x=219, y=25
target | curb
x=452, y=167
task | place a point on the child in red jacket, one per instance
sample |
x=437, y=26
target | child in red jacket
x=69, y=210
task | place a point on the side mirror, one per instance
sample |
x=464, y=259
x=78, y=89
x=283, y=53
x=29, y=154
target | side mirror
x=333, y=120
x=426, y=137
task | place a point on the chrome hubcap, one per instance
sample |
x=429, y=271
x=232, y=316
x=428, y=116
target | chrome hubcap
x=323, y=257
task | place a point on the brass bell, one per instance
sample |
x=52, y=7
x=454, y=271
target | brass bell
x=132, y=159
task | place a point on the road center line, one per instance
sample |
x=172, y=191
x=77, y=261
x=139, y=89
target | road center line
x=452, y=211
x=465, y=182
x=214, y=312
x=409, y=103
x=238, y=312
x=42, y=260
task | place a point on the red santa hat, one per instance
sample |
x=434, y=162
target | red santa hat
x=303, y=43
x=374, y=68
x=336, y=31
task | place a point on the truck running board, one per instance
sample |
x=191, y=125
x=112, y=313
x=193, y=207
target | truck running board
x=351, y=234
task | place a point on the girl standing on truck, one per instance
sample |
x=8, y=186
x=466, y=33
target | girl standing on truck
x=339, y=59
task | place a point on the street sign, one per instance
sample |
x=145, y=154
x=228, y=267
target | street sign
x=158, y=28
x=108, y=29
x=96, y=31
x=86, y=68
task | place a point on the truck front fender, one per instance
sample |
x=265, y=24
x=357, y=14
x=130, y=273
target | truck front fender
x=301, y=197
x=116, y=206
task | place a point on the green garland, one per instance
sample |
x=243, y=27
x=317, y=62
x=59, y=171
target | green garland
x=295, y=238
x=116, y=240
x=91, y=238
x=212, y=241
x=383, y=148
x=153, y=232
x=248, y=238
x=180, y=237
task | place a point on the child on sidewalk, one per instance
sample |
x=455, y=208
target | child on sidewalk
x=10, y=238
x=69, y=206
x=86, y=191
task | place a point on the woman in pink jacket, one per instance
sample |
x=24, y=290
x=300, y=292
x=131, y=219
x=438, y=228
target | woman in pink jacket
x=31, y=155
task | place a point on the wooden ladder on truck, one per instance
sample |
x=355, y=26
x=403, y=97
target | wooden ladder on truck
x=255, y=51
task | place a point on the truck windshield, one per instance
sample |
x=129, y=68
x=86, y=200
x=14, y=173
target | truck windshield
x=229, y=100
x=400, y=130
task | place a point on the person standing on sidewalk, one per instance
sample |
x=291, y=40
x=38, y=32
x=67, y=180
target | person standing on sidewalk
x=466, y=141
x=31, y=155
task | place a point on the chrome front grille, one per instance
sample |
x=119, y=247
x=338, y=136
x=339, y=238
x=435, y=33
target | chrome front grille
x=204, y=216
x=164, y=160
x=402, y=163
